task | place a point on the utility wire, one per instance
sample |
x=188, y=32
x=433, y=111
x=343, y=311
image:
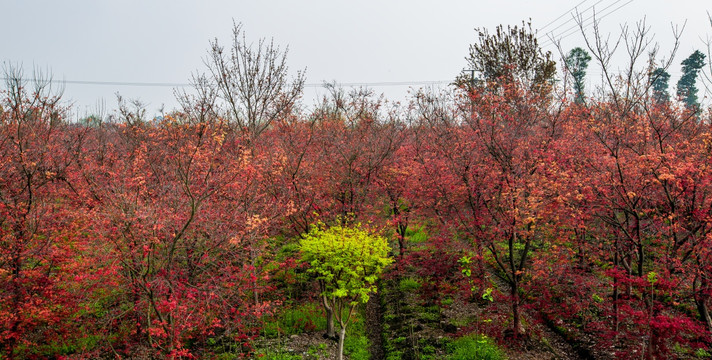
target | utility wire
x=564, y=14
x=551, y=33
x=582, y=12
x=170, y=84
x=115, y=83
x=353, y=84
x=387, y=83
x=585, y=22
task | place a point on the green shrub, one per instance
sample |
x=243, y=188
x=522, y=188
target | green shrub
x=428, y=349
x=395, y=355
x=299, y=319
x=318, y=351
x=474, y=347
x=702, y=353
x=416, y=235
x=409, y=285
x=277, y=355
x=288, y=250
x=431, y=317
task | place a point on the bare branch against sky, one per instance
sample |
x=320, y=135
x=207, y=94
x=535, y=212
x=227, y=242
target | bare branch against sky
x=145, y=49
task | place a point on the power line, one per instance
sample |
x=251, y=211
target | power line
x=387, y=83
x=114, y=83
x=349, y=84
x=562, y=15
x=171, y=84
x=582, y=12
x=585, y=22
x=551, y=33
x=601, y=18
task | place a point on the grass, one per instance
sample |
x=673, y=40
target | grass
x=409, y=284
x=464, y=321
x=295, y=320
x=429, y=313
x=474, y=347
x=309, y=317
x=318, y=351
x=416, y=235
x=276, y=355
x=356, y=342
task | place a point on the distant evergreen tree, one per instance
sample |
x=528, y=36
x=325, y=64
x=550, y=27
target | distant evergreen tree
x=659, y=81
x=577, y=63
x=686, y=89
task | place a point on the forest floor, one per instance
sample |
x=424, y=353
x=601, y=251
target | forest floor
x=416, y=329
x=405, y=320
x=308, y=346
x=400, y=326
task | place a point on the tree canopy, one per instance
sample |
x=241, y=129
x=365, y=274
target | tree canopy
x=512, y=54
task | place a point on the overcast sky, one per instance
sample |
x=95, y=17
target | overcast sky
x=150, y=41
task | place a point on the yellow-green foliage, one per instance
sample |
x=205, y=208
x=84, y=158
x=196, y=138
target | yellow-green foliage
x=347, y=260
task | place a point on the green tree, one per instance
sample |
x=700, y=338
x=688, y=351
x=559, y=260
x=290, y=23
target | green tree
x=659, y=82
x=686, y=88
x=346, y=262
x=577, y=63
x=511, y=54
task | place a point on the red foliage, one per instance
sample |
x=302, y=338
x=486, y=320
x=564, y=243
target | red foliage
x=167, y=237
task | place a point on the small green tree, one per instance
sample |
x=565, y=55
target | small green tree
x=686, y=87
x=346, y=261
x=577, y=63
x=659, y=82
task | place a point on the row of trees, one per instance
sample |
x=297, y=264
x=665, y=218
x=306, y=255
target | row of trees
x=131, y=237
x=578, y=59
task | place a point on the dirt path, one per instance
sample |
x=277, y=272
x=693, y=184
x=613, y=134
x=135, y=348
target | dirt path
x=561, y=348
x=374, y=320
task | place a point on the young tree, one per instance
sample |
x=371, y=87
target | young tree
x=659, y=80
x=253, y=83
x=357, y=140
x=39, y=216
x=346, y=262
x=686, y=88
x=577, y=63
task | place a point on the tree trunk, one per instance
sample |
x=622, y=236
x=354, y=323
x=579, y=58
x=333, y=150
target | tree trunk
x=640, y=259
x=704, y=311
x=401, y=226
x=253, y=262
x=518, y=329
x=402, y=229
x=330, y=332
x=342, y=335
x=701, y=302
x=615, y=289
x=627, y=261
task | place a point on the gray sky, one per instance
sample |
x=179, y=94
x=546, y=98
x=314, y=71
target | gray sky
x=151, y=41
